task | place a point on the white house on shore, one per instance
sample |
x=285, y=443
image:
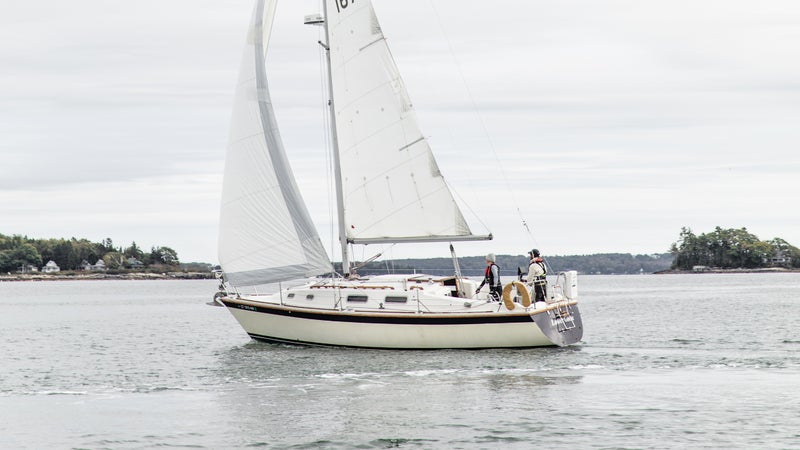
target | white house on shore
x=98, y=266
x=780, y=259
x=27, y=268
x=51, y=267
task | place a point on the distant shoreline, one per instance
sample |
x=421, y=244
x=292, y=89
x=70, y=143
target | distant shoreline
x=701, y=272
x=107, y=276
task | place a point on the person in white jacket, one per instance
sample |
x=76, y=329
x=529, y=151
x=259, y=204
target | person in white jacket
x=537, y=276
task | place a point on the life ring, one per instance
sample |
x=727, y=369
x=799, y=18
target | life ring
x=522, y=290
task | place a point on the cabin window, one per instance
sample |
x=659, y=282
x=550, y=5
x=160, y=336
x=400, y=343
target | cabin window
x=396, y=299
x=291, y=295
x=357, y=298
x=310, y=297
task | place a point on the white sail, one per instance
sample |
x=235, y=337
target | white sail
x=266, y=234
x=392, y=188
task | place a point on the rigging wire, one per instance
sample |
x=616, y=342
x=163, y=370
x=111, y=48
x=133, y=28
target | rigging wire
x=511, y=190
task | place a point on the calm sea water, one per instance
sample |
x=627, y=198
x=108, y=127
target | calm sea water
x=670, y=361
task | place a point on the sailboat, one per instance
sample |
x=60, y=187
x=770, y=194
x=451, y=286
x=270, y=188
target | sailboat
x=389, y=189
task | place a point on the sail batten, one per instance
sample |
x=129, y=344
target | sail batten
x=266, y=234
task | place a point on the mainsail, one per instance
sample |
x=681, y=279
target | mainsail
x=392, y=187
x=266, y=234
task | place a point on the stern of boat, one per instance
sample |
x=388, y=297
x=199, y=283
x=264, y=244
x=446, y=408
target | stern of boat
x=562, y=324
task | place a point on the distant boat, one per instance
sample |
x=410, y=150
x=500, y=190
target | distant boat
x=389, y=190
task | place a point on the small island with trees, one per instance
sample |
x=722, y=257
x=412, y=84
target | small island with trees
x=732, y=250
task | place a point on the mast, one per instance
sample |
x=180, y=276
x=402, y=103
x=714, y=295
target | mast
x=337, y=167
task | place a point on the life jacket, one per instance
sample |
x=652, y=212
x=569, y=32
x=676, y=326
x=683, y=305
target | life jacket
x=540, y=263
x=488, y=276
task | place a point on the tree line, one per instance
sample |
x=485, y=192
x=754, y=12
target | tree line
x=70, y=254
x=730, y=249
x=605, y=263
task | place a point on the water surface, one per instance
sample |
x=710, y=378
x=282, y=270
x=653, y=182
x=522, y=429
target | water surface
x=670, y=361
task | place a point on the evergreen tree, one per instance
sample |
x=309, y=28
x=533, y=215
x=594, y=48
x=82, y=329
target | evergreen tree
x=133, y=251
x=164, y=255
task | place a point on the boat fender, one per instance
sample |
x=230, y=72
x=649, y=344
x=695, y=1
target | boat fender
x=521, y=290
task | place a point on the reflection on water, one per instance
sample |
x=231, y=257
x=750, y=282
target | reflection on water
x=510, y=381
x=366, y=397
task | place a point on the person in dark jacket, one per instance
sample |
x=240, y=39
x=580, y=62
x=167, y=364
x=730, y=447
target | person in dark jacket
x=492, y=278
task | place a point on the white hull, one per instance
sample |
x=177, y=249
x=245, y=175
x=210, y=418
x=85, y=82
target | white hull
x=428, y=321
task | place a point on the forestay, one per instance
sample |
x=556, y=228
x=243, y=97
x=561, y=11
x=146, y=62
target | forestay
x=266, y=234
x=392, y=187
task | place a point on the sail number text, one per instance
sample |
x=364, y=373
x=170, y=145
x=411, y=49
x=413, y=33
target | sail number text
x=342, y=4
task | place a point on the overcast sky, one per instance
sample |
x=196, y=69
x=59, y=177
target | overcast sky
x=607, y=125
